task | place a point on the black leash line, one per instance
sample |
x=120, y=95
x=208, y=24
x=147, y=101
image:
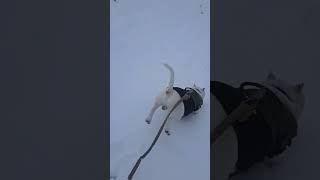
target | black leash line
x=134, y=169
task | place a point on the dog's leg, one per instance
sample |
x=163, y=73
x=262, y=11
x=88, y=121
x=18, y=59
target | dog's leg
x=177, y=114
x=167, y=128
x=153, y=109
x=170, y=118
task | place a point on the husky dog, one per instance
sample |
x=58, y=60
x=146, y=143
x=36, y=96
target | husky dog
x=170, y=96
x=224, y=151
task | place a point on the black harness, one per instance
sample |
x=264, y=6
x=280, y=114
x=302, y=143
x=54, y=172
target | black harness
x=192, y=104
x=267, y=133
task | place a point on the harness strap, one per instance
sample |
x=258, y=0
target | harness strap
x=196, y=98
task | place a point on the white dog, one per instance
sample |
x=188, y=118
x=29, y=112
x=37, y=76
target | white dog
x=169, y=97
x=224, y=152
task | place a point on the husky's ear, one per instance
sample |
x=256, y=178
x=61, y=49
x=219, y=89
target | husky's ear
x=299, y=87
x=271, y=76
x=194, y=85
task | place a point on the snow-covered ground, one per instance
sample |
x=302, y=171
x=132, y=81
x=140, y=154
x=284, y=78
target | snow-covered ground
x=145, y=34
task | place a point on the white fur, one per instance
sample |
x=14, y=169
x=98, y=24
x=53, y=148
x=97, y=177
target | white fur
x=224, y=152
x=168, y=98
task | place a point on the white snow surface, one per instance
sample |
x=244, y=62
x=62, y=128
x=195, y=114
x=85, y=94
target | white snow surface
x=145, y=34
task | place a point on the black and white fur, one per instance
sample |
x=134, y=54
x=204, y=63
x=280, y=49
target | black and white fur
x=225, y=150
x=168, y=98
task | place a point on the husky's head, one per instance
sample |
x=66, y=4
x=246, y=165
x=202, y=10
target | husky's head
x=199, y=90
x=290, y=95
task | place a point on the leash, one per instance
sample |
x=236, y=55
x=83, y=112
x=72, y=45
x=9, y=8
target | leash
x=134, y=169
x=244, y=110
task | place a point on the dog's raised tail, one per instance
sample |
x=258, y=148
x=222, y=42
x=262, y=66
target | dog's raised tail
x=170, y=86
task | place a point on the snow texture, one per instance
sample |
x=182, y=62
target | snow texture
x=145, y=34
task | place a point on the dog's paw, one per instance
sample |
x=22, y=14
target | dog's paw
x=148, y=121
x=164, y=107
x=167, y=132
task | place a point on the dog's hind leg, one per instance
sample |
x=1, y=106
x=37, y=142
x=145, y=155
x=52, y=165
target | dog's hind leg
x=175, y=115
x=167, y=127
x=155, y=106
